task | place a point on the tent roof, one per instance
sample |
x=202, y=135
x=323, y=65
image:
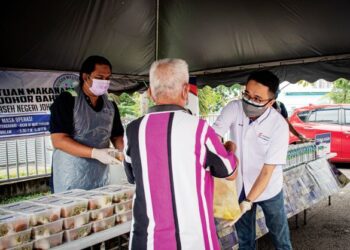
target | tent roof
x=222, y=41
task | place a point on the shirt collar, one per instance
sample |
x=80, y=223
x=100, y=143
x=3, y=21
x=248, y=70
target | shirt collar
x=99, y=104
x=264, y=116
x=165, y=108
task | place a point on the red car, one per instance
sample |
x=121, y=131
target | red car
x=317, y=119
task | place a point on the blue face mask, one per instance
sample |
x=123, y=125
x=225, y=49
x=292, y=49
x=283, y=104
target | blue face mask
x=252, y=109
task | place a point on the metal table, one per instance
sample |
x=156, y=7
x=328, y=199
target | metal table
x=96, y=238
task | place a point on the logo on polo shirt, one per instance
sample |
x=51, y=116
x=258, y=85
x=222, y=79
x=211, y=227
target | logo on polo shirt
x=264, y=137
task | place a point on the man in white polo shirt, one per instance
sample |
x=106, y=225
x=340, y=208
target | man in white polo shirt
x=261, y=135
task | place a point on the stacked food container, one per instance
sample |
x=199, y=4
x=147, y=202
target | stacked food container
x=122, y=200
x=42, y=220
x=55, y=219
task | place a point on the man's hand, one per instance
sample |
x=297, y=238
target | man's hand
x=230, y=146
x=104, y=155
x=245, y=206
x=303, y=138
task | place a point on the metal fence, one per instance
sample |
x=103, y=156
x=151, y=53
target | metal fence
x=25, y=158
x=210, y=118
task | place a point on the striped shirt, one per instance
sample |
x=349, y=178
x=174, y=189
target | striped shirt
x=172, y=157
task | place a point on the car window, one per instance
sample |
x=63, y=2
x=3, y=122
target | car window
x=312, y=117
x=347, y=116
x=303, y=115
x=327, y=116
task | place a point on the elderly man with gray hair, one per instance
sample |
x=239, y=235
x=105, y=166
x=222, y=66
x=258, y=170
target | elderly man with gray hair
x=172, y=157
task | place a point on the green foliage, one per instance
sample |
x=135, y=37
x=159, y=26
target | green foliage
x=305, y=83
x=211, y=100
x=207, y=100
x=19, y=198
x=129, y=105
x=340, y=92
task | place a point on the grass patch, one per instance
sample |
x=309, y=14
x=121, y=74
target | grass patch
x=22, y=172
x=22, y=198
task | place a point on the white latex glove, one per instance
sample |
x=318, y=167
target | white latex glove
x=231, y=222
x=104, y=155
x=245, y=206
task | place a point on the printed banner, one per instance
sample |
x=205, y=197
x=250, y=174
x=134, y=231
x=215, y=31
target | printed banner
x=25, y=100
x=323, y=144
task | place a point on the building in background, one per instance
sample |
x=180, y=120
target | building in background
x=296, y=95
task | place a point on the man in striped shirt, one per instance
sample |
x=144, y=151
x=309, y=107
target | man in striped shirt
x=172, y=157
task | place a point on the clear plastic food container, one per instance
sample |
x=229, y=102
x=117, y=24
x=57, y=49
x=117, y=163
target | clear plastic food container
x=69, y=206
x=70, y=192
x=49, y=242
x=76, y=221
x=123, y=217
x=104, y=224
x=109, y=189
x=46, y=230
x=96, y=200
x=128, y=185
x=119, y=192
x=11, y=223
x=15, y=239
x=123, y=207
x=26, y=246
x=39, y=214
x=99, y=214
x=77, y=233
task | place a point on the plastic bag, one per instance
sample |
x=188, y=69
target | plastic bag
x=226, y=204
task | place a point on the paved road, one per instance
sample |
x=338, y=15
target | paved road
x=328, y=227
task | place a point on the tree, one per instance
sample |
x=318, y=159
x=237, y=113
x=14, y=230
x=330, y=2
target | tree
x=340, y=92
x=128, y=105
x=305, y=83
x=211, y=100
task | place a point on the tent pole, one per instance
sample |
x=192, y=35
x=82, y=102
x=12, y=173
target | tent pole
x=157, y=30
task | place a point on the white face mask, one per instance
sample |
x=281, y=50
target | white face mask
x=99, y=87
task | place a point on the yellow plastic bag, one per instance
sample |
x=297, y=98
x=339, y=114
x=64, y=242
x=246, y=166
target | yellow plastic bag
x=226, y=204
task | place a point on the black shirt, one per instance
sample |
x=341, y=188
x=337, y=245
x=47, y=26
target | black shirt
x=61, y=119
x=279, y=106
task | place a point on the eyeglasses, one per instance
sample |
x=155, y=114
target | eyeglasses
x=256, y=100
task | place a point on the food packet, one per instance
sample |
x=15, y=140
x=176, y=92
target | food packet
x=117, y=154
x=226, y=204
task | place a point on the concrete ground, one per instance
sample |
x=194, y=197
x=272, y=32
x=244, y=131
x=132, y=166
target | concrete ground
x=327, y=228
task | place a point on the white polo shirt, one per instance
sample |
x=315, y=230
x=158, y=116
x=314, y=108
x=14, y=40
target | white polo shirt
x=263, y=141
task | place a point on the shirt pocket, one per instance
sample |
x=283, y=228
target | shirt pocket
x=263, y=143
x=262, y=137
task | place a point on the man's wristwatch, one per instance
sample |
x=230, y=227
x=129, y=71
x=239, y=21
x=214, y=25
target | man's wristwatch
x=247, y=200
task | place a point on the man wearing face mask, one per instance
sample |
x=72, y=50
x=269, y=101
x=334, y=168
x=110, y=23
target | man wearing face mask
x=261, y=135
x=172, y=158
x=83, y=123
